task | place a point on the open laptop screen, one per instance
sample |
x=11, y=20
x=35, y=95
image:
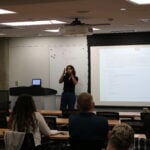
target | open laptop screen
x=36, y=82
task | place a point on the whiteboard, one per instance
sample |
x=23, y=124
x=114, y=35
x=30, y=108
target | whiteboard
x=60, y=57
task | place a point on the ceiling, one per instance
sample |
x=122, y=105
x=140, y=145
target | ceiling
x=103, y=14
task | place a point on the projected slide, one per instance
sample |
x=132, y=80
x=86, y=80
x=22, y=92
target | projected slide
x=122, y=74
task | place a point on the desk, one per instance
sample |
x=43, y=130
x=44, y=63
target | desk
x=64, y=136
x=45, y=112
x=32, y=90
x=51, y=112
x=44, y=98
x=113, y=122
x=143, y=136
x=2, y=130
x=121, y=114
x=129, y=114
x=62, y=121
x=65, y=121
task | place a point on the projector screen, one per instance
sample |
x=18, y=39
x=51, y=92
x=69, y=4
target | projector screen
x=120, y=75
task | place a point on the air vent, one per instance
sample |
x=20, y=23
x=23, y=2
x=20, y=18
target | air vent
x=101, y=24
x=122, y=31
x=17, y=2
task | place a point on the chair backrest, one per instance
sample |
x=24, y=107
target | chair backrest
x=144, y=114
x=141, y=144
x=67, y=112
x=85, y=145
x=18, y=140
x=28, y=143
x=108, y=115
x=3, y=121
x=146, y=120
x=137, y=125
x=51, y=121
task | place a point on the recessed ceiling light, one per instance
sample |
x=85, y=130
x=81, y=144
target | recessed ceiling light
x=4, y=11
x=123, y=9
x=129, y=25
x=96, y=29
x=57, y=22
x=145, y=20
x=1, y=34
x=140, y=2
x=32, y=23
x=52, y=30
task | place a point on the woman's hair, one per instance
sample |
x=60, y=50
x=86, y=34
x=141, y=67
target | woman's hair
x=23, y=115
x=73, y=69
x=122, y=137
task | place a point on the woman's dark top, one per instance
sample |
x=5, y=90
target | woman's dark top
x=69, y=86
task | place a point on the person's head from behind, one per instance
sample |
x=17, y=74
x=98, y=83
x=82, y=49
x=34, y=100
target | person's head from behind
x=122, y=138
x=23, y=117
x=85, y=102
x=70, y=70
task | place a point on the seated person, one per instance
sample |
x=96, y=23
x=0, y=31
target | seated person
x=86, y=125
x=25, y=118
x=121, y=138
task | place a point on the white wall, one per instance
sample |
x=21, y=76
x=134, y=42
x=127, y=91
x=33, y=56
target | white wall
x=30, y=58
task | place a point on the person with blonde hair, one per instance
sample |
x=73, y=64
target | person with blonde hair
x=86, y=126
x=121, y=138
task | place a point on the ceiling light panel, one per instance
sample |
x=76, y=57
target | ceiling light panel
x=52, y=30
x=32, y=23
x=140, y=2
x=4, y=11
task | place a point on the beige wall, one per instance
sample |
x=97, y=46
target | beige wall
x=4, y=64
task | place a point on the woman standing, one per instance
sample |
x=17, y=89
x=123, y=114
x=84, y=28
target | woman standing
x=69, y=79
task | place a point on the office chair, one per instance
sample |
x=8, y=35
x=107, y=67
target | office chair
x=18, y=140
x=51, y=121
x=137, y=125
x=85, y=144
x=145, y=117
x=67, y=112
x=109, y=115
x=141, y=144
x=28, y=143
x=144, y=114
x=3, y=121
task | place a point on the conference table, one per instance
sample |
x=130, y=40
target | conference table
x=65, y=121
x=132, y=115
x=64, y=135
x=46, y=112
x=59, y=113
x=121, y=114
x=60, y=136
x=50, y=112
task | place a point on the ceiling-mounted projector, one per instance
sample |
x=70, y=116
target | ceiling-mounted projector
x=76, y=30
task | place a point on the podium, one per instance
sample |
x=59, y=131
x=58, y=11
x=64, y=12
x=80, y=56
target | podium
x=44, y=98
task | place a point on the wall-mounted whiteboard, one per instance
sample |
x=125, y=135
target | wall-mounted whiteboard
x=45, y=58
x=75, y=54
